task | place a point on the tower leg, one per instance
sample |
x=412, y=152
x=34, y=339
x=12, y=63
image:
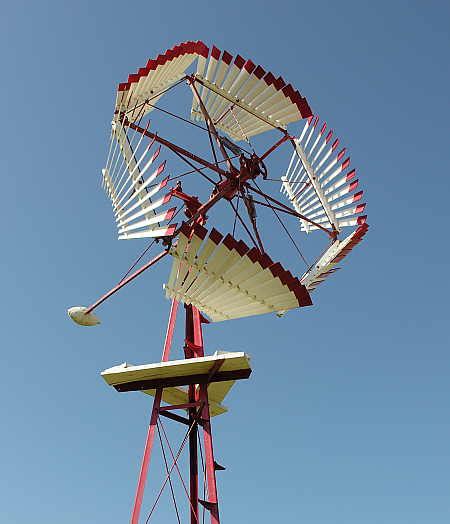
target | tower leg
x=193, y=466
x=194, y=345
x=153, y=420
x=146, y=458
x=193, y=348
x=213, y=501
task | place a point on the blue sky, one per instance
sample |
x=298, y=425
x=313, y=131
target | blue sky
x=350, y=425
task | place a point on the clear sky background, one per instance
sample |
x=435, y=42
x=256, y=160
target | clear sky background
x=351, y=424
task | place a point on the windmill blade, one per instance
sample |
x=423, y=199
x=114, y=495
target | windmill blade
x=135, y=170
x=149, y=84
x=232, y=281
x=134, y=209
x=327, y=188
x=136, y=182
x=165, y=215
x=326, y=265
x=217, y=274
x=139, y=188
x=260, y=100
x=123, y=219
x=166, y=231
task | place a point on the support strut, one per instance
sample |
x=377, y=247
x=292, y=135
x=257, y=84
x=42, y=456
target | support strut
x=153, y=420
x=194, y=348
x=199, y=416
x=177, y=149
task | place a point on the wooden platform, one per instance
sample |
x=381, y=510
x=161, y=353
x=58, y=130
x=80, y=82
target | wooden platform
x=233, y=366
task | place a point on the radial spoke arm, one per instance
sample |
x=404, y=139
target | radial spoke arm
x=280, y=204
x=173, y=147
x=126, y=281
x=244, y=225
x=211, y=126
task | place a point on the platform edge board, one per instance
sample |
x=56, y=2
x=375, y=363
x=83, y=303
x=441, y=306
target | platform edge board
x=184, y=367
x=185, y=380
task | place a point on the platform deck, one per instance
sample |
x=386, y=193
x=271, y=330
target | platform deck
x=126, y=377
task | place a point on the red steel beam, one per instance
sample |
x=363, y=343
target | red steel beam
x=193, y=348
x=125, y=282
x=206, y=423
x=180, y=406
x=209, y=457
x=177, y=149
x=211, y=125
x=153, y=420
x=282, y=140
x=332, y=234
x=174, y=416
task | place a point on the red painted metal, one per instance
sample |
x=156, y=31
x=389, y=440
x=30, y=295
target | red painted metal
x=209, y=456
x=211, y=126
x=198, y=335
x=180, y=406
x=234, y=179
x=190, y=47
x=146, y=458
x=177, y=149
x=227, y=188
x=193, y=348
x=275, y=146
x=194, y=335
x=280, y=204
x=153, y=420
x=192, y=203
x=214, y=369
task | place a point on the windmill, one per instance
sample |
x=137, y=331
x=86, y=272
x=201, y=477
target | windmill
x=217, y=276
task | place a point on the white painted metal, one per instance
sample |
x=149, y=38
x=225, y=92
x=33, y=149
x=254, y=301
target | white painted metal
x=315, y=181
x=79, y=316
x=258, y=104
x=131, y=195
x=145, y=222
x=260, y=118
x=221, y=104
x=224, y=283
x=149, y=233
x=326, y=264
x=140, y=188
x=124, y=219
x=131, y=172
